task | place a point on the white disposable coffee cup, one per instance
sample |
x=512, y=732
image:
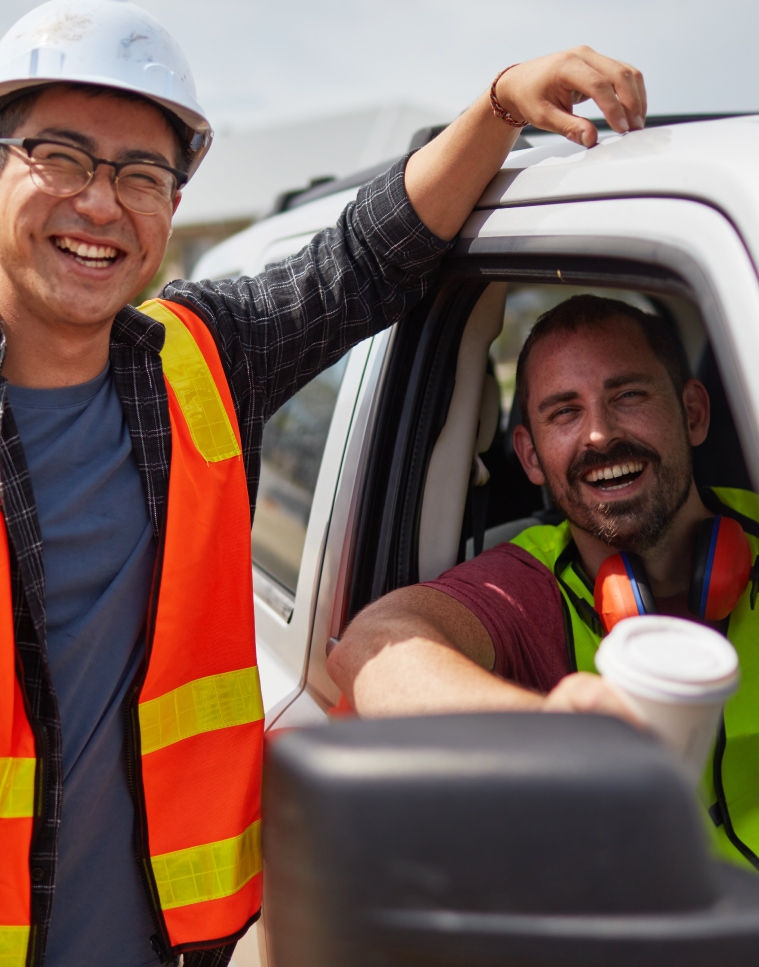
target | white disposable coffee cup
x=676, y=674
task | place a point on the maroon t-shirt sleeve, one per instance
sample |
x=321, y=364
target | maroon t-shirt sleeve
x=518, y=601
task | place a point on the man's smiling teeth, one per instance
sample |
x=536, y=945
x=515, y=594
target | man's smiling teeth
x=612, y=473
x=98, y=255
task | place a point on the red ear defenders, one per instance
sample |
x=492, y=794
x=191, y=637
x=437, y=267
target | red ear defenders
x=721, y=571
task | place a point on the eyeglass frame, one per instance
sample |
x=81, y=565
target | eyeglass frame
x=29, y=144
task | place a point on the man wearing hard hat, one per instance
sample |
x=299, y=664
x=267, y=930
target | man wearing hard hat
x=130, y=711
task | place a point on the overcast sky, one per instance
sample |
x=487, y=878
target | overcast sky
x=259, y=62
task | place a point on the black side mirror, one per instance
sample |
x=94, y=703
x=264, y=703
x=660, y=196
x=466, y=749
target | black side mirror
x=530, y=840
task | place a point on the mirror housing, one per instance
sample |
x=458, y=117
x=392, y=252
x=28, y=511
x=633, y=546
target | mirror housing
x=495, y=839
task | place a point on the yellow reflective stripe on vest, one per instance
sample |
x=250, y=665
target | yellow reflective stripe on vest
x=16, y=789
x=203, y=705
x=13, y=945
x=208, y=872
x=189, y=376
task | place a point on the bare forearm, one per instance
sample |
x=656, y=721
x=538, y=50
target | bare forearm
x=418, y=676
x=418, y=651
x=446, y=177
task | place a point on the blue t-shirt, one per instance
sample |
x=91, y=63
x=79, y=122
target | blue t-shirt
x=99, y=555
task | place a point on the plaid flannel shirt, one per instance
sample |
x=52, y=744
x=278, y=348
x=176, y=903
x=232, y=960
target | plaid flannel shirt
x=275, y=332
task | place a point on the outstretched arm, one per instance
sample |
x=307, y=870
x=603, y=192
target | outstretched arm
x=418, y=651
x=446, y=177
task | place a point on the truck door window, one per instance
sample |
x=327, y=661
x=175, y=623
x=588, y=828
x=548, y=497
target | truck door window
x=293, y=444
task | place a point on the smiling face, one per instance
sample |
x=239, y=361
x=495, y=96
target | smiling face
x=609, y=435
x=67, y=265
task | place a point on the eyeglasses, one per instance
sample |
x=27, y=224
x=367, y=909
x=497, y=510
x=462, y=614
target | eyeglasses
x=61, y=170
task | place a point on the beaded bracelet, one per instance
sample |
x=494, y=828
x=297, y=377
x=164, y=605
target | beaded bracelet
x=498, y=109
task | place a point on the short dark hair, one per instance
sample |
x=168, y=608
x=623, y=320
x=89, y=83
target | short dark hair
x=15, y=109
x=591, y=310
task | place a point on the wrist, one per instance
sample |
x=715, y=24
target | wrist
x=499, y=110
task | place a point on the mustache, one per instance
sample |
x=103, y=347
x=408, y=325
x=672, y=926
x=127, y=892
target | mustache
x=622, y=452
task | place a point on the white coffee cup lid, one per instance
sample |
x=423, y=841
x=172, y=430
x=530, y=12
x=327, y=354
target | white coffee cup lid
x=667, y=658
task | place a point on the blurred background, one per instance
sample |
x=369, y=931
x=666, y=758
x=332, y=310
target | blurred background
x=299, y=90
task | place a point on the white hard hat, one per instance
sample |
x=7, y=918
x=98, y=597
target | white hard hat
x=113, y=43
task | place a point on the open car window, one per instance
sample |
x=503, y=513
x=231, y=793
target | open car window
x=463, y=489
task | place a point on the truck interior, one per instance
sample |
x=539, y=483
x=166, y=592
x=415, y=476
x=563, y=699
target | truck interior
x=462, y=489
x=518, y=840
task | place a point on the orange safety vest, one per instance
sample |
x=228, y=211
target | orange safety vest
x=199, y=715
x=17, y=773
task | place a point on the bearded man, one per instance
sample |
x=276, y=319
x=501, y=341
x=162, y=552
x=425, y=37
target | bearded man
x=610, y=416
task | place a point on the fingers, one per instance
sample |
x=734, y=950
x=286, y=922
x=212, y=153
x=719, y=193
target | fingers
x=617, y=89
x=545, y=91
x=584, y=692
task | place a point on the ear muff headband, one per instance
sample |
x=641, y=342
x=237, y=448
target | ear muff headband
x=636, y=572
x=721, y=568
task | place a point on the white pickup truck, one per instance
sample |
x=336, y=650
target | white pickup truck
x=368, y=476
